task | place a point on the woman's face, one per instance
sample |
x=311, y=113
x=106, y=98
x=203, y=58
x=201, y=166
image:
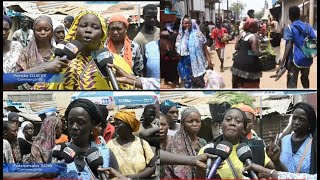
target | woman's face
x=186, y=24
x=117, y=31
x=6, y=30
x=11, y=132
x=192, y=123
x=300, y=122
x=163, y=127
x=121, y=127
x=233, y=125
x=79, y=124
x=58, y=34
x=43, y=31
x=89, y=32
x=172, y=115
x=28, y=131
x=149, y=115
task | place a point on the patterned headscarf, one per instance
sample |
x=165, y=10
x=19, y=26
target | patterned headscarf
x=45, y=140
x=193, y=41
x=127, y=42
x=73, y=29
x=129, y=117
x=181, y=144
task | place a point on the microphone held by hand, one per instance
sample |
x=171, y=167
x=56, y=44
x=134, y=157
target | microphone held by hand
x=245, y=156
x=105, y=57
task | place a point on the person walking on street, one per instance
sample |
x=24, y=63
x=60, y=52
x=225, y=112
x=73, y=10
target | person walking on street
x=297, y=62
x=276, y=36
x=217, y=34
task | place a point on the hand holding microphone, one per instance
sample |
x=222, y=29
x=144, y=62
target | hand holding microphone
x=223, y=151
x=94, y=159
x=245, y=156
x=103, y=58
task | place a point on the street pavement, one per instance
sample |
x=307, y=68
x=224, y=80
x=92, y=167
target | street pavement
x=265, y=82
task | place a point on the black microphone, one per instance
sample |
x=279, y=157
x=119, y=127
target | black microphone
x=209, y=150
x=59, y=50
x=72, y=49
x=245, y=156
x=69, y=153
x=94, y=159
x=105, y=57
x=57, y=151
x=223, y=150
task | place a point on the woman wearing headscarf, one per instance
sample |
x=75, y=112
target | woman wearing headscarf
x=83, y=116
x=134, y=155
x=119, y=43
x=233, y=126
x=25, y=134
x=82, y=73
x=246, y=68
x=298, y=150
x=59, y=33
x=191, y=46
x=170, y=110
x=36, y=57
x=185, y=142
x=11, y=49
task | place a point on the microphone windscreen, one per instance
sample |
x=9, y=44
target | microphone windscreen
x=223, y=149
x=57, y=151
x=244, y=152
x=94, y=159
x=104, y=57
x=58, y=51
x=69, y=153
x=72, y=48
x=209, y=150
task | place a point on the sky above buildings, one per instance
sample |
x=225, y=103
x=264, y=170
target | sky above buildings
x=250, y=4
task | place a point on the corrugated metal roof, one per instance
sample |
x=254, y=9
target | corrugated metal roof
x=40, y=106
x=278, y=105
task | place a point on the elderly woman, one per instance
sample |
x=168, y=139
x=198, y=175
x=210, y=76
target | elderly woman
x=233, y=125
x=135, y=156
x=82, y=73
x=119, y=43
x=25, y=137
x=11, y=49
x=191, y=46
x=246, y=68
x=83, y=116
x=298, y=150
x=59, y=33
x=185, y=142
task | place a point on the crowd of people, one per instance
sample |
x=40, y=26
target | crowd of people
x=128, y=145
x=135, y=61
x=185, y=56
x=292, y=155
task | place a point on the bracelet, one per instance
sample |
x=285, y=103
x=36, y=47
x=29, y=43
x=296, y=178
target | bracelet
x=271, y=172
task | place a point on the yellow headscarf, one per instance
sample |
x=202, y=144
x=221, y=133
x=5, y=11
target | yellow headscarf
x=128, y=117
x=82, y=73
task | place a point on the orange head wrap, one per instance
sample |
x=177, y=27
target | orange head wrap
x=127, y=56
x=128, y=117
x=245, y=108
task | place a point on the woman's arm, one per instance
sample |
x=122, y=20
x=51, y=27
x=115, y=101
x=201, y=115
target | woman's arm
x=113, y=161
x=146, y=173
x=255, y=47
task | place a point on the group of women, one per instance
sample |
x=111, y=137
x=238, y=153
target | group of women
x=126, y=153
x=81, y=73
x=297, y=154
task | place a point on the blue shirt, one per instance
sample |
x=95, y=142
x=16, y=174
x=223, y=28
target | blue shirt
x=153, y=59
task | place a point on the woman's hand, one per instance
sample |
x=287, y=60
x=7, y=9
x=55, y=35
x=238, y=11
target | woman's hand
x=273, y=150
x=56, y=65
x=261, y=171
x=112, y=174
x=123, y=77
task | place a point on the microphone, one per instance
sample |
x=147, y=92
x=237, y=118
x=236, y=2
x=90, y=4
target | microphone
x=245, y=156
x=209, y=150
x=69, y=153
x=58, y=51
x=105, y=57
x=72, y=49
x=94, y=159
x=57, y=151
x=223, y=150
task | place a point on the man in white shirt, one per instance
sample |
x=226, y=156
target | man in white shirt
x=24, y=34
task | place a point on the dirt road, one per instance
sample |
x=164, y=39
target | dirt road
x=266, y=82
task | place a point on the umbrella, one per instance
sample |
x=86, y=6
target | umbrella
x=118, y=98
